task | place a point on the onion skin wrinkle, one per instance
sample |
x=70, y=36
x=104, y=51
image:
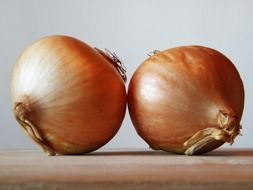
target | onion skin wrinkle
x=68, y=97
x=187, y=100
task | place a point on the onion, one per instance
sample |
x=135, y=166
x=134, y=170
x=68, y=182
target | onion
x=68, y=97
x=186, y=100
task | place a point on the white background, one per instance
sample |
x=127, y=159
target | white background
x=131, y=28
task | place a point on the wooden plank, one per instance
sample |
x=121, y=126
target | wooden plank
x=127, y=169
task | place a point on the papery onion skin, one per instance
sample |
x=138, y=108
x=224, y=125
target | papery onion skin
x=187, y=100
x=67, y=96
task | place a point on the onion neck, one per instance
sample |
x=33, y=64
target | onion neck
x=154, y=52
x=21, y=111
x=227, y=129
x=115, y=61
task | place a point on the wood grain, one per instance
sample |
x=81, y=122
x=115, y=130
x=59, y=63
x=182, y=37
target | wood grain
x=127, y=169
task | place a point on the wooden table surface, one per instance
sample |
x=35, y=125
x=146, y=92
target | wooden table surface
x=226, y=169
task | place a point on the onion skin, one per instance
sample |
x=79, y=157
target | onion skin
x=67, y=96
x=186, y=100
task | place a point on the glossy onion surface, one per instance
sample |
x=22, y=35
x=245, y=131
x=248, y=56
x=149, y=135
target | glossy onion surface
x=186, y=100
